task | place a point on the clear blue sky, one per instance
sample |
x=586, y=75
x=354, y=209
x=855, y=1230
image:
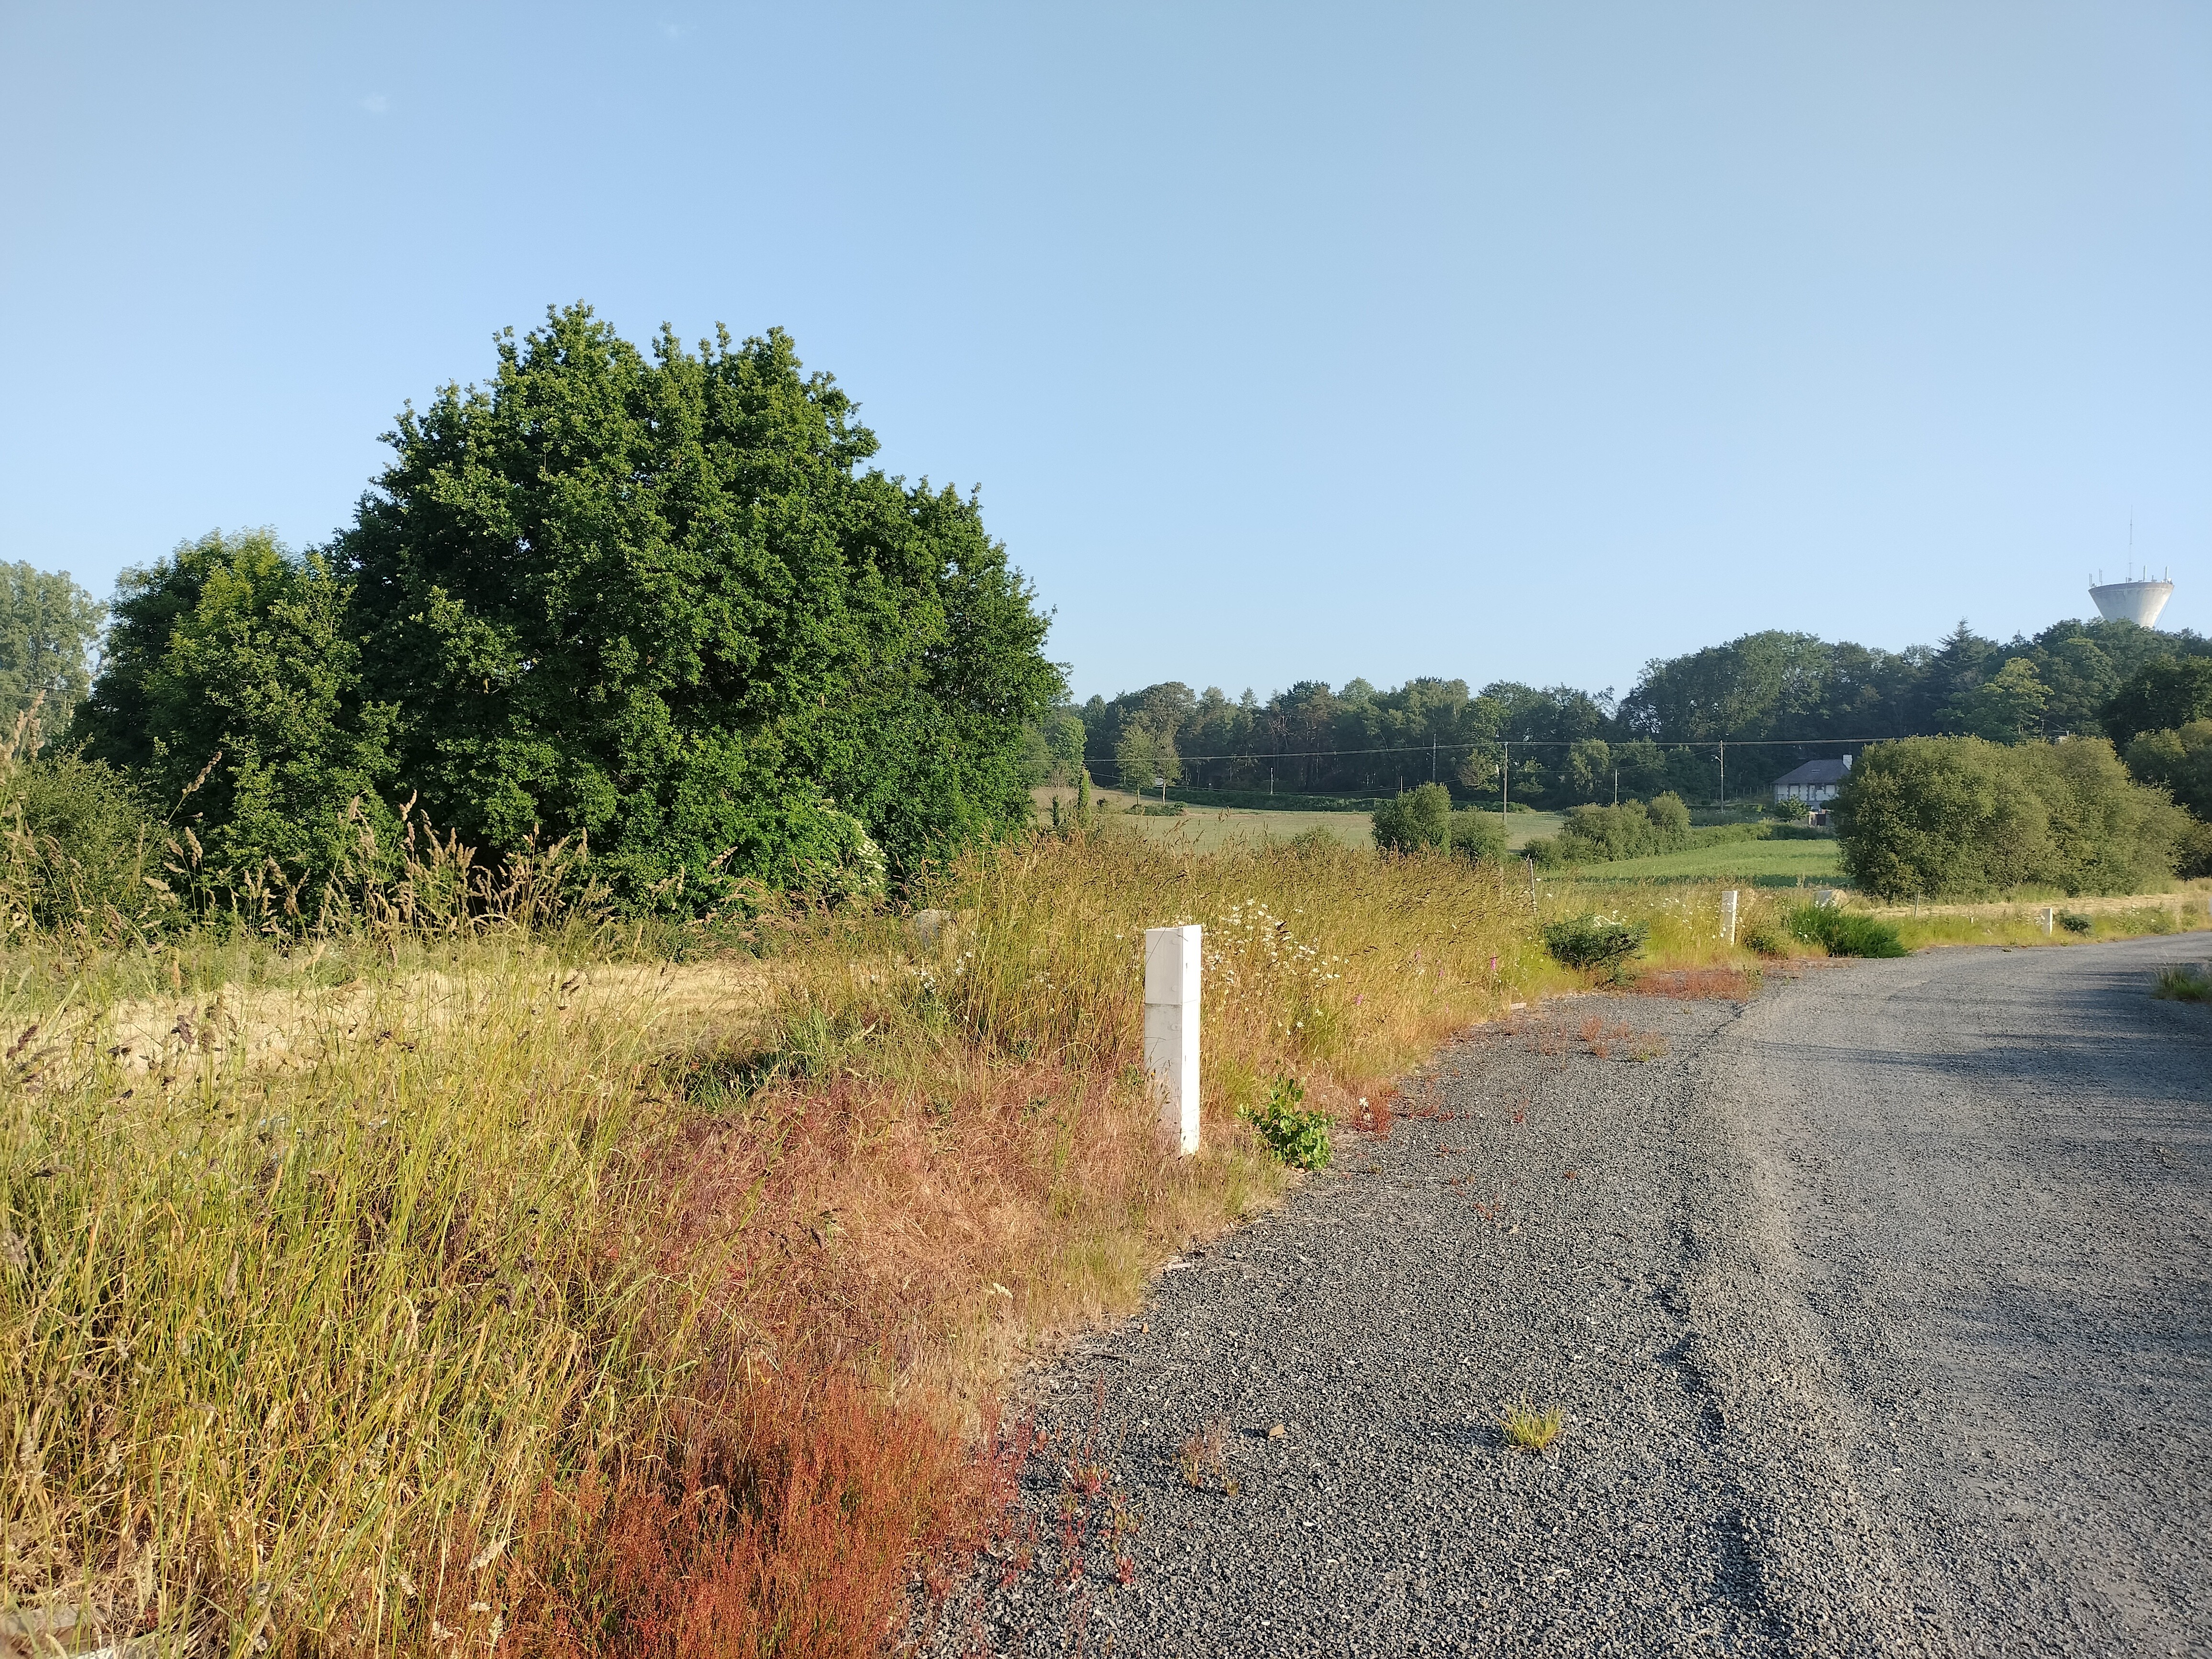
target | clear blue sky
x=1528, y=341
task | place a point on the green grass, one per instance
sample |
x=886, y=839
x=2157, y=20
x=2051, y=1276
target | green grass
x=2022, y=924
x=1211, y=829
x=1757, y=863
x=2185, y=984
x=1526, y=1429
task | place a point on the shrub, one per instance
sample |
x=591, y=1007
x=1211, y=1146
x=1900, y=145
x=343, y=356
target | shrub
x=2075, y=922
x=1416, y=818
x=1298, y=1137
x=1477, y=834
x=1424, y=817
x=1845, y=932
x=1767, y=939
x=1632, y=830
x=230, y=691
x=1600, y=944
x=79, y=849
x=1961, y=818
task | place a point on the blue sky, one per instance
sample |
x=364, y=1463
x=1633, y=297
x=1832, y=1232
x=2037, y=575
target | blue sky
x=1522, y=342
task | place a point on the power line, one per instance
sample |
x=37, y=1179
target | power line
x=1536, y=743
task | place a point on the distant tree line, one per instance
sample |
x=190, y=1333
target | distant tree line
x=1775, y=699
x=652, y=599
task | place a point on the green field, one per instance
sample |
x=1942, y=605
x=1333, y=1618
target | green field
x=1203, y=829
x=1756, y=863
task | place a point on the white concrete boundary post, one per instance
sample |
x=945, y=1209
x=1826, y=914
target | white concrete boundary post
x=1172, y=956
x=1728, y=916
x=2049, y=917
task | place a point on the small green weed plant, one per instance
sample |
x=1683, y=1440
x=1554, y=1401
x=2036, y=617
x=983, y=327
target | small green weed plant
x=1596, y=945
x=1297, y=1136
x=1766, y=939
x=2185, y=984
x=1526, y=1429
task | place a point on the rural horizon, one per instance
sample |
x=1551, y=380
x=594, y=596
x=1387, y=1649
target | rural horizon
x=639, y=1021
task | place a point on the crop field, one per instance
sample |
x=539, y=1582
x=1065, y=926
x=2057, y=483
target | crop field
x=1756, y=863
x=1207, y=828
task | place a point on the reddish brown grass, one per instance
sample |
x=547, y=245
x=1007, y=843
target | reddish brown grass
x=781, y=1524
x=1698, y=984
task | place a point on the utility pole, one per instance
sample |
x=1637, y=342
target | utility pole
x=1724, y=771
x=1504, y=781
x=1616, y=785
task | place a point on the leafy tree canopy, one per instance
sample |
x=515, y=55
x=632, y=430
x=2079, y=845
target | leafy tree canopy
x=2007, y=707
x=2160, y=696
x=47, y=625
x=1144, y=754
x=1776, y=698
x=2179, y=760
x=656, y=599
x=229, y=692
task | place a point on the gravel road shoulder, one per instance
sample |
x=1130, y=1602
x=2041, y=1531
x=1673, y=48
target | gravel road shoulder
x=1603, y=1207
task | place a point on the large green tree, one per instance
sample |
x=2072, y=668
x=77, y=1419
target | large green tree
x=47, y=625
x=2179, y=761
x=657, y=598
x=229, y=692
x=2160, y=696
x=2006, y=708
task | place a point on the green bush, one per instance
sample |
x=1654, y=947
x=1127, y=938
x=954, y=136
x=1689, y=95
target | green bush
x=79, y=849
x=1298, y=1137
x=1600, y=944
x=2075, y=922
x=1633, y=830
x=1961, y=817
x=1414, y=820
x=1424, y=817
x=1477, y=834
x=1766, y=940
x=1845, y=932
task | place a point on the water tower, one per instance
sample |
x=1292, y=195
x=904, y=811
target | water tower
x=2138, y=599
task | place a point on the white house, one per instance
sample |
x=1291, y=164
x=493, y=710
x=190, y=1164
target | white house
x=1814, y=783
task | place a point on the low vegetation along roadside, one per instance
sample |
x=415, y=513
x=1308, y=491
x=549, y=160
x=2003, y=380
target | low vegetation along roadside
x=484, y=1276
x=500, y=1288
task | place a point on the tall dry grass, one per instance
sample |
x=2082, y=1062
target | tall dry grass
x=489, y=1298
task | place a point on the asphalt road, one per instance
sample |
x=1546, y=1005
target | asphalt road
x=1880, y=1309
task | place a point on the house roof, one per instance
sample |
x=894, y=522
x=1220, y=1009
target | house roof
x=1819, y=771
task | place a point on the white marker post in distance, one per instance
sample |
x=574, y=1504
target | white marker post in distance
x=1171, y=969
